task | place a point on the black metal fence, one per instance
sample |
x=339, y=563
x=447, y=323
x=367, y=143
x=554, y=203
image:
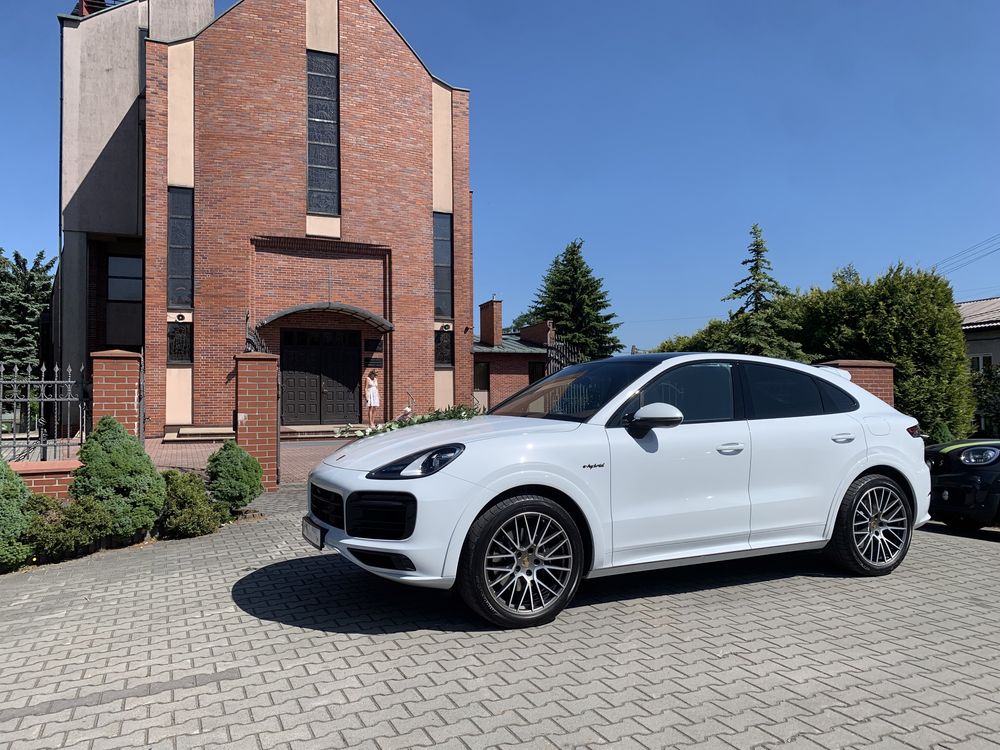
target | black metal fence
x=43, y=414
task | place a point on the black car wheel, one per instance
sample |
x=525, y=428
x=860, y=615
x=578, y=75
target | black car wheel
x=522, y=563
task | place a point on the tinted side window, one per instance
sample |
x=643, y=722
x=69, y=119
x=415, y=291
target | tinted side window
x=703, y=392
x=835, y=400
x=776, y=392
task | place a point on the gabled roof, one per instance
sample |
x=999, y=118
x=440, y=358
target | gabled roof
x=980, y=313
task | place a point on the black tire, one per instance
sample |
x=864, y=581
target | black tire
x=479, y=587
x=860, y=540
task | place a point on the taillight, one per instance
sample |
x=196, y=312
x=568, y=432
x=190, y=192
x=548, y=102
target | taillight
x=915, y=431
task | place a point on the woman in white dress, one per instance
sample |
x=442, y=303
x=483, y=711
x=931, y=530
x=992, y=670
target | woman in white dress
x=371, y=396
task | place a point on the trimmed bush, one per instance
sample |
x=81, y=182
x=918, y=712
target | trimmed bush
x=13, y=519
x=234, y=476
x=59, y=532
x=188, y=511
x=117, y=472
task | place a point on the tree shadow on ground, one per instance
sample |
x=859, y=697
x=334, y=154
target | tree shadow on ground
x=329, y=594
x=986, y=535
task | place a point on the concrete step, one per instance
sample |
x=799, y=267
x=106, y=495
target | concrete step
x=199, y=435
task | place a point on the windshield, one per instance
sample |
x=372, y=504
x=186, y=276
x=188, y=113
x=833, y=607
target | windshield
x=575, y=393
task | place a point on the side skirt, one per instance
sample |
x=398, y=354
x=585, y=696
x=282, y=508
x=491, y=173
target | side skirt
x=682, y=561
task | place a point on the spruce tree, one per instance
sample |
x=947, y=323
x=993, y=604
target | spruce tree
x=25, y=292
x=576, y=302
x=761, y=325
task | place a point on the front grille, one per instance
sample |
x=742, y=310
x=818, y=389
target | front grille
x=327, y=506
x=381, y=515
x=937, y=463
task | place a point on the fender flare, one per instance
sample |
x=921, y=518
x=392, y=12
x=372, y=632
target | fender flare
x=599, y=527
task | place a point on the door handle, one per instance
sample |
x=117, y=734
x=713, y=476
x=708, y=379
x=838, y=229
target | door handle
x=730, y=449
x=843, y=437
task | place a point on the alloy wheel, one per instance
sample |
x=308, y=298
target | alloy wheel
x=880, y=526
x=528, y=563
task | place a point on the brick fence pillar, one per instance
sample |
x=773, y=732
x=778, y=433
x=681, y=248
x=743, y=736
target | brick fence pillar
x=256, y=420
x=115, y=375
x=874, y=376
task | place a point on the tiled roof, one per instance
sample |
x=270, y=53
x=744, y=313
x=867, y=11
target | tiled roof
x=510, y=344
x=980, y=313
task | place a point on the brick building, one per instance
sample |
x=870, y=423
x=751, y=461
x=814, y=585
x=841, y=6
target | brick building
x=288, y=174
x=504, y=363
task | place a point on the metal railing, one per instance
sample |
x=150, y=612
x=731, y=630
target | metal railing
x=43, y=415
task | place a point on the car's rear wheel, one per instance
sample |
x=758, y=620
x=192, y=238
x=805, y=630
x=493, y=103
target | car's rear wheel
x=522, y=562
x=873, y=528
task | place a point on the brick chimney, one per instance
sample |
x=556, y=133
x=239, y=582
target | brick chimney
x=540, y=334
x=491, y=322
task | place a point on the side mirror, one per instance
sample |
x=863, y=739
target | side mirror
x=654, y=415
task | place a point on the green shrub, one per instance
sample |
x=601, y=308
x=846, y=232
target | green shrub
x=188, y=510
x=117, y=472
x=234, y=476
x=58, y=532
x=13, y=520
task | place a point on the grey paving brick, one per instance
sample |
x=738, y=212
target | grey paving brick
x=248, y=639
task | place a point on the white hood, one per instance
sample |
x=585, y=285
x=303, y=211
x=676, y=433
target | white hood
x=372, y=452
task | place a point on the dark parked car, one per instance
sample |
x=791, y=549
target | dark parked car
x=965, y=483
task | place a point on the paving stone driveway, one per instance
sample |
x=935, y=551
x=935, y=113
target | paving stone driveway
x=248, y=639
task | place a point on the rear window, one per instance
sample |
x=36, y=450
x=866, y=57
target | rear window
x=778, y=393
x=835, y=400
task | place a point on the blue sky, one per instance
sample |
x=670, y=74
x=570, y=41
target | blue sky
x=852, y=131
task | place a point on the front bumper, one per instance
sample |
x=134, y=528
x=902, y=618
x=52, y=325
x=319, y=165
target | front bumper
x=441, y=500
x=966, y=495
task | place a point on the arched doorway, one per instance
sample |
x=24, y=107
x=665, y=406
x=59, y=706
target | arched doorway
x=325, y=349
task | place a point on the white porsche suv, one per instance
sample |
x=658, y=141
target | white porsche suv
x=626, y=464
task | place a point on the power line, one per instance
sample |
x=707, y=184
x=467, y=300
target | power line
x=955, y=256
x=968, y=260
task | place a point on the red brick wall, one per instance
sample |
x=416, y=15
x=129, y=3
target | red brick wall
x=251, y=180
x=156, y=238
x=115, y=376
x=462, y=238
x=257, y=411
x=333, y=322
x=508, y=373
x=51, y=478
x=875, y=377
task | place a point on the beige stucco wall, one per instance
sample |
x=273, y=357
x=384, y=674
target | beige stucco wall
x=180, y=115
x=442, y=149
x=180, y=383
x=444, y=389
x=323, y=25
x=170, y=20
x=323, y=226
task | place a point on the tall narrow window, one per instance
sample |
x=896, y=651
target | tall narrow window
x=180, y=248
x=324, y=133
x=443, y=276
x=125, y=295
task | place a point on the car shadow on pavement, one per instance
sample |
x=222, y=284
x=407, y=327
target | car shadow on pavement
x=986, y=535
x=326, y=593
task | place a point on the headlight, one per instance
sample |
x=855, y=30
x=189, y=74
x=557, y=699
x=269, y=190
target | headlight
x=979, y=456
x=418, y=465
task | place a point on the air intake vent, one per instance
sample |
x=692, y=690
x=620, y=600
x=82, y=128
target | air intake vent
x=381, y=515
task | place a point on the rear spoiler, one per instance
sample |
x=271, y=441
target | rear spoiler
x=845, y=374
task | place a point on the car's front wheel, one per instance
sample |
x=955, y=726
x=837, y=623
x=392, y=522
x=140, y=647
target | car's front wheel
x=873, y=527
x=522, y=562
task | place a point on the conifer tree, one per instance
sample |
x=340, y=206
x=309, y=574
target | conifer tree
x=761, y=324
x=24, y=292
x=576, y=302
